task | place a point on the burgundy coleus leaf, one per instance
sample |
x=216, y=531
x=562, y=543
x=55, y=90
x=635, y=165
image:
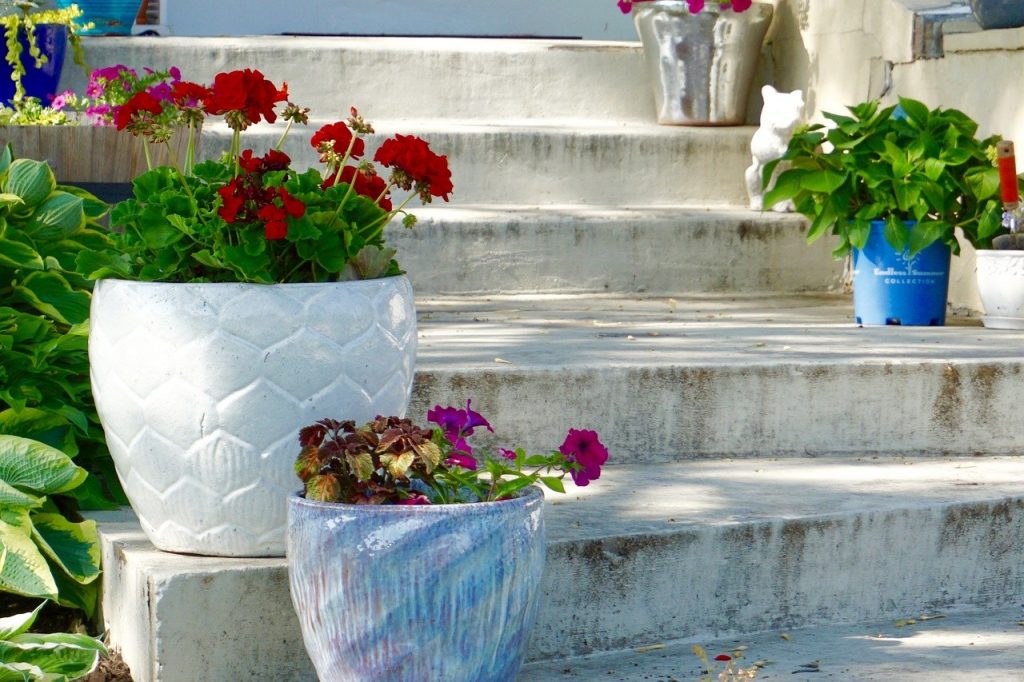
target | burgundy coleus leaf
x=312, y=434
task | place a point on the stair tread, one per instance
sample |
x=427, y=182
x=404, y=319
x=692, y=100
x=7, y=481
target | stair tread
x=644, y=499
x=509, y=333
x=965, y=644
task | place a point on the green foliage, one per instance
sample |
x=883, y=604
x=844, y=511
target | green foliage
x=926, y=166
x=173, y=230
x=46, y=555
x=57, y=657
x=44, y=308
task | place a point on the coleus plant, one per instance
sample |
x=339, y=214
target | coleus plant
x=390, y=460
x=253, y=218
x=695, y=6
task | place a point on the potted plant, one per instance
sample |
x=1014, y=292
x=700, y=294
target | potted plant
x=893, y=184
x=1000, y=263
x=105, y=17
x=42, y=34
x=239, y=297
x=701, y=56
x=77, y=136
x=412, y=557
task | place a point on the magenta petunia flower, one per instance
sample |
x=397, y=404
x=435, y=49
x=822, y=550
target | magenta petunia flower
x=695, y=5
x=461, y=460
x=473, y=420
x=450, y=419
x=415, y=498
x=583, y=447
x=507, y=454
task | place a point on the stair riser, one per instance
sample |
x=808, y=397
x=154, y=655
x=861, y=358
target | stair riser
x=624, y=592
x=558, y=166
x=669, y=413
x=559, y=253
x=596, y=594
x=411, y=78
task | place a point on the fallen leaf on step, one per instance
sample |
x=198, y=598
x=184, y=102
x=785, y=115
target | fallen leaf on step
x=784, y=636
x=935, y=616
x=905, y=622
x=1020, y=623
x=648, y=648
x=761, y=663
x=502, y=361
x=672, y=303
x=630, y=337
x=653, y=334
x=599, y=323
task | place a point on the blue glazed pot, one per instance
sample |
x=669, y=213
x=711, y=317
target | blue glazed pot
x=445, y=593
x=109, y=17
x=41, y=82
x=894, y=288
x=998, y=13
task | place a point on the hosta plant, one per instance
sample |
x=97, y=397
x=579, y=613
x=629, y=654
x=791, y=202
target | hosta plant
x=252, y=217
x=56, y=657
x=46, y=553
x=44, y=309
x=391, y=460
x=892, y=164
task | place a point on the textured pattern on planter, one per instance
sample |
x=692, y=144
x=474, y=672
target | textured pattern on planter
x=446, y=593
x=1001, y=288
x=202, y=389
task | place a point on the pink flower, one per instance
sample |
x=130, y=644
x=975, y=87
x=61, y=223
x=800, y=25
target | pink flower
x=461, y=460
x=415, y=498
x=583, y=448
x=507, y=454
x=61, y=100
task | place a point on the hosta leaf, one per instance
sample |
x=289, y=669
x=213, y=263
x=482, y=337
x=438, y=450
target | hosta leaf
x=31, y=180
x=23, y=672
x=53, y=657
x=25, y=570
x=35, y=468
x=75, y=547
x=18, y=255
x=50, y=294
x=59, y=216
x=17, y=624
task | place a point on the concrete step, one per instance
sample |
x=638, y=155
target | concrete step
x=951, y=646
x=671, y=250
x=564, y=161
x=445, y=78
x=719, y=375
x=649, y=553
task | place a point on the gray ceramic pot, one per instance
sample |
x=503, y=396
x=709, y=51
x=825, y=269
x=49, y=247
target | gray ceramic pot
x=446, y=593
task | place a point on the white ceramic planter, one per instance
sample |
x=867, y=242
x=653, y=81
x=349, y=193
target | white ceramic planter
x=445, y=593
x=1001, y=287
x=202, y=389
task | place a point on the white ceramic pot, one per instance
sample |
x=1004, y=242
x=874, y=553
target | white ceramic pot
x=202, y=390
x=1001, y=287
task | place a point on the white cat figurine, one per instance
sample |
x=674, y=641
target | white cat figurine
x=782, y=113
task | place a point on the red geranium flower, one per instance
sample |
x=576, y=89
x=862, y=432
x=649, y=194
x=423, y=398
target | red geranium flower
x=413, y=157
x=140, y=102
x=341, y=137
x=246, y=91
x=188, y=94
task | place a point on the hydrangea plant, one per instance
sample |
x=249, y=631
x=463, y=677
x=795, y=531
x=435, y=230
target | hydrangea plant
x=251, y=217
x=391, y=460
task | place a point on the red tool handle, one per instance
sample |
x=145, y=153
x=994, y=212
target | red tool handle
x=1007, y=162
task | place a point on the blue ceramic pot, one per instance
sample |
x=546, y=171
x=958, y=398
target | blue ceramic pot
x=109, y=17
x=40, y=82
x=998, y=13
x=895, y=288
x=445, y=593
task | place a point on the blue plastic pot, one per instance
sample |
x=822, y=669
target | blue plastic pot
x=109, y=17
x=39, y=82
x=890, y=287
x=998, y=13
